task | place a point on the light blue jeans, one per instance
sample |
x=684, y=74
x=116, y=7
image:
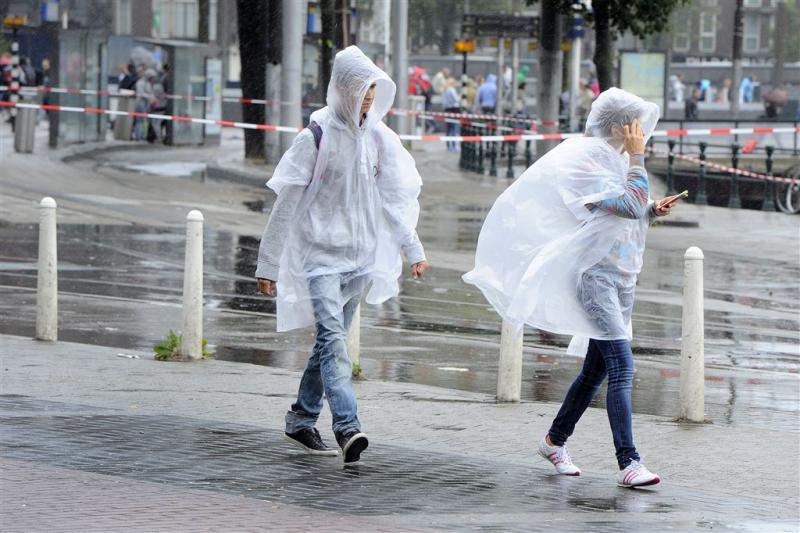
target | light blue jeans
x=329, y=370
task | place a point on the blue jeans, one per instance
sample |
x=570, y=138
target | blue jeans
x=329, y=369
x=603, y=358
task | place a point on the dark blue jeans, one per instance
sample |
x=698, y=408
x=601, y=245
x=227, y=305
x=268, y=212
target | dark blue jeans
x=603, y=358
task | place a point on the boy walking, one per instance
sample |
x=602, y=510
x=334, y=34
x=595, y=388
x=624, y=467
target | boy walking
x=346, y=209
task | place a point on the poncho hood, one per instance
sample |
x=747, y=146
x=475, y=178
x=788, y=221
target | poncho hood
x=353, y=73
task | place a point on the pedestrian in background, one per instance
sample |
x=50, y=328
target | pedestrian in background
x=487, y=95
x=346, y=209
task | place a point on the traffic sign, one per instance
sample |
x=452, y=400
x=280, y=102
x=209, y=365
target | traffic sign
x=507, y=26
x=465, y=45
x=15, y=20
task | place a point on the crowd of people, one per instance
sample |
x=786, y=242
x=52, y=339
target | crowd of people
x=29, y=76
x=150, y=86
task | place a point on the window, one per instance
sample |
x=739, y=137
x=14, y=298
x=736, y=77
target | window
x=186, y=19
x=682, y=23
x=122, y=17
x=212, y=20
x=752, y=3
x=708, y=31
x=752, y=32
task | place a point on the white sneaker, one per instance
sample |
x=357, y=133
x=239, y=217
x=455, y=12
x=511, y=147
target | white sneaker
x=559, y=457
x=637, y=475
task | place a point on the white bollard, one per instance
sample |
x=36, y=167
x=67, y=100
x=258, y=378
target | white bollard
x=354, y=337
x=192, y=336
x=509, y=368
x=692, y=356
x=47, y=282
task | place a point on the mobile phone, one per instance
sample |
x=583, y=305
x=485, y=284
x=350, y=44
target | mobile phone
x=672, y=199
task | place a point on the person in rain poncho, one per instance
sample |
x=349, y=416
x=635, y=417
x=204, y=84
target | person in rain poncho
x=561, y=249
x=346, y=209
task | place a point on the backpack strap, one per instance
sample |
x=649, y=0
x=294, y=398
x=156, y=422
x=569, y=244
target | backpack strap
x=316, y=131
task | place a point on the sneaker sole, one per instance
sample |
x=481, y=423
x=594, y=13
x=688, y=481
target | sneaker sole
x=650, y=483
x=311, y=451
x=353, y=448
x=543, y=456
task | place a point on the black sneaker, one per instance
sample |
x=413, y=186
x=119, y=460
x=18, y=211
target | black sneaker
x=310, y=440
x=352, y=444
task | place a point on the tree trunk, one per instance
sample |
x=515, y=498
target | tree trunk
x=550, y=75
x=326, y=46
x=604, y=44
x=738, y=38
x=202, y=24
x=252, y=26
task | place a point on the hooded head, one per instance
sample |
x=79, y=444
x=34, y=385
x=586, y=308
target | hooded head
x=614, y=109
x=491, y=79
x=352, y=76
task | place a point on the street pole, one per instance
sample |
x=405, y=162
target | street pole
x=400, y=60
x=575, y=70
x=549, y=75
x=499, y=105
x=464, y=81
x=14, y=88
x=509, y=366
x=272, y=111
x=515, y=69
x=291, y=68
x=738, y=37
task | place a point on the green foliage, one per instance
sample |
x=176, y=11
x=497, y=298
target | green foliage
x=357, y=372
x=170, y=348
x=640, y=17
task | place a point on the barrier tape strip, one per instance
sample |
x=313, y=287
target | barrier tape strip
x=157, y=116
x=731, y=170
x=425, y=138
x=257, y=101
x=465, y=122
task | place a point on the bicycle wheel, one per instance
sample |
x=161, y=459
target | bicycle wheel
x=787, y=195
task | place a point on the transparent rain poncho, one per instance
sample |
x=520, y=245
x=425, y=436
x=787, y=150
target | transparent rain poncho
x=544, y=258
x=359, y=208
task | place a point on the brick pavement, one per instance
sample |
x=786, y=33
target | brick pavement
x=124, y=407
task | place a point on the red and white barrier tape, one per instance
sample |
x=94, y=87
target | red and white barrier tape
x=258, y=101
x=731, y=170
x=465, y=122
x=426, y=138
x=157, y=116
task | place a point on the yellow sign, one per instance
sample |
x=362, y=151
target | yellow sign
x=566, y=46
x=533, y=46
x=465, y=45
x=15, y=21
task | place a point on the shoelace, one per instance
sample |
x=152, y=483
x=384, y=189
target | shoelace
x=562, y=456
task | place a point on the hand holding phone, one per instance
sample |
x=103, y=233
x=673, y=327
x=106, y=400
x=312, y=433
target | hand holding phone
x=669, y=201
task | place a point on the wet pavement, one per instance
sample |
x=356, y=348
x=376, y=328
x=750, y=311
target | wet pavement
x=121, y=286
x=440, y=490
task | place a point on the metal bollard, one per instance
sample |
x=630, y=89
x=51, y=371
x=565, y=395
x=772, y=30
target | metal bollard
x=47, y=280
x=734, y=201
x=509, y=368
x=701, y=198
x=671, y=168
x=462, y=154
x=692, y=402
x=528, y=155
x=493, y=159
x=192, y=337
x=480, y=168
x=769, y=185
x=354, y=337
x=511, y=148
